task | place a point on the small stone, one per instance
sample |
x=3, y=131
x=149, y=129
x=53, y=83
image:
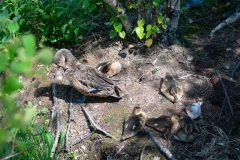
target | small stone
x=190, y=58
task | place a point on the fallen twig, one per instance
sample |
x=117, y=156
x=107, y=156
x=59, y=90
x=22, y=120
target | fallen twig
x=81, y=139
x=226, y=94
x=160, y=147
x=94, y=125
x=67, y=146
x=233, y=18
x=234, y=70
x=56, y=112
x=142, y=153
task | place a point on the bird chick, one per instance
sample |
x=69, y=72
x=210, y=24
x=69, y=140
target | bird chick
x=180, y=126
x=85, y=79
x=110, y=68
x=184, y=128
x=171, y=89
x=134, y=124
x=161, y=124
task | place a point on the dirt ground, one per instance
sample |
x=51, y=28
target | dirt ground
x=194, y=68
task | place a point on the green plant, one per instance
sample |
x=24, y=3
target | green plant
x=19, y=135
x=118, y=27
x=143, y=30
x=56, y=21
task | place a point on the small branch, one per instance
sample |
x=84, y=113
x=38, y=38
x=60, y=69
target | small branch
x=234, y=70
x=10, y=156
x=233, y=18
x=67, y=146
x=160, y=147
x=142, y=153
x=56, y=112
x=226, y=94
x=94, y=125
x=81, y=139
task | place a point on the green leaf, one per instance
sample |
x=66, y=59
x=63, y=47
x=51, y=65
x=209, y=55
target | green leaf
x=4, y=61
x=164, y=26
x=148, y=34
x=13, y=27
x=11, y=84
x=140, y=23
x=156, y=29
x=156, y=2
x=21, y=67
x=29, y=45
x=149, y=27
x=45, y=56
x=118, y=27
x=148, y=42
x=63, y=28
x=122, y=34
x=160, y=19
x=86, y=3
x=113, y=34
x=119, y=10
x=140, y=32
x=30, y=112
x=168, y=20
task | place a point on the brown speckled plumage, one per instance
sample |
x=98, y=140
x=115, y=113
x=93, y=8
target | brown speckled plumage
x=86, y=79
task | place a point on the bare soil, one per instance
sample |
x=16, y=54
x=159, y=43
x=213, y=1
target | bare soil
x=140, y=79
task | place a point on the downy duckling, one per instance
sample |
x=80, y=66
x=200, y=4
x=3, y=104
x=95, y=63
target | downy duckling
x=184, y=128
x=85, y=79
x=171, y=89
x=110, y=68
x=181, y=127
x=161, y=124
x=134, y=124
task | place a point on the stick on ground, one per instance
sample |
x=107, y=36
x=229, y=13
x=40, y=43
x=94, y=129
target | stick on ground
x=160, y=147
x=94, y=125
x=67, y=146
x=55, y=112
x=226, y=94
x=233, y=18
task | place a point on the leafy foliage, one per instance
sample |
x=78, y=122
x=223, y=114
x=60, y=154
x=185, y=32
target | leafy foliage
x=143, y=30
x=18, y=133
x=55, y=21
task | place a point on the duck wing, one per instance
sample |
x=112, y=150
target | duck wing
x=89, y=81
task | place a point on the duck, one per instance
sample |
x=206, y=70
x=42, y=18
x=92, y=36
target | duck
x=110, y=68
x=180, y=126
x=171, y=89
x=161, y=124
x=184, y=129
x=85, y=79
x=134, y=124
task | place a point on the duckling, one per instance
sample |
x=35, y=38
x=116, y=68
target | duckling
x=161, y=124
x=85, y=79
x=184, y=129
x=134, y=124
x=110, y=68
x=171, y=89
x=181, y=127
